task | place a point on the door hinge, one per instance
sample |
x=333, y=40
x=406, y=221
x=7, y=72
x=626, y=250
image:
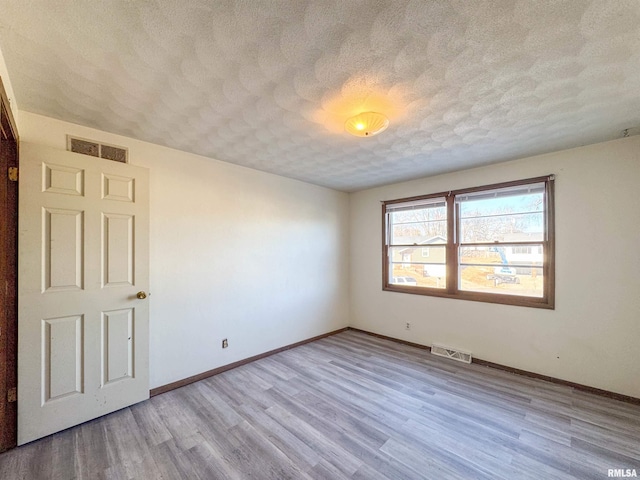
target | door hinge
x=13, y=174
x=12, y=395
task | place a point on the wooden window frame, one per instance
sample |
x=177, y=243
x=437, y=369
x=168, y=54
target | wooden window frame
x=451, y=290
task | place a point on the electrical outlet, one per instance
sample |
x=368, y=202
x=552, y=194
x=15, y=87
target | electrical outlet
x=225, y=343
x=407, y=326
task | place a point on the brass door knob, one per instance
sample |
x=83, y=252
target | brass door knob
x=141, y=295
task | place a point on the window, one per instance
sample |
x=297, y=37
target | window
x=491, y=244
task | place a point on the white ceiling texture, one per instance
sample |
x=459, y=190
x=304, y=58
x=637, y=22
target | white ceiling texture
x=269, y=83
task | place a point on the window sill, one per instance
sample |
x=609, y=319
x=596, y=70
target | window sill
x=502, y=299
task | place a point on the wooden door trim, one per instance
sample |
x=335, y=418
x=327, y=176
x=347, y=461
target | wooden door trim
x=9, y=274
x=4, y=100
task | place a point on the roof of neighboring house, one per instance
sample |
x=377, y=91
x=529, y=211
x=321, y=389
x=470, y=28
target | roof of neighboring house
x=426, y=241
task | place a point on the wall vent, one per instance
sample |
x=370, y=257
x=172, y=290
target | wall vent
x=95, y=149
x=452, y=353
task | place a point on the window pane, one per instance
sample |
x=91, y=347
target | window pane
x=501, y=280
x=418, y=233
x=418, y=275
x=527, y=227
x=437, y=255
x=507, y=269
x=520, y=199
x=511, y=214
x=408, y=266
x=419, y=225
x=519, y=256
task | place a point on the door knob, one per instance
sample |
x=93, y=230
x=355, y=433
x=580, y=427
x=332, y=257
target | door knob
x=141, y=295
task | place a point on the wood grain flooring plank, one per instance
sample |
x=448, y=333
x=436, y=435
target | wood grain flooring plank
x=406, y=381
x=531, y=468
x=539, y=453
x=621, y=442
x=150, y=423
x=608, y=455
x=375, y=418
x=124, y=441
x=257, y=457
x=207, y=462
x=378, y=390
x=63, y=459
x=427, y=464
x=350, y=406
x=457, y=400
x=115, y=472
x=389, y=414
x=549, y=420
x=289, y=385
x=27, y=465
x=171, y=462
x=344, y=448
x=181, y=423
x=91, y=454
x=589, y=472
x=292, y=446
x=305, y=427
x=474, y=448
x=338, y=417
x=10, y=463
x=326, y=471
x=367, y=472
x=275, y=368
x=237, y=389
x=209, y=411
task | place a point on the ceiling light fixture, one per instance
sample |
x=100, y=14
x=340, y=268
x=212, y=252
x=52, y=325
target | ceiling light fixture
x=366, y=124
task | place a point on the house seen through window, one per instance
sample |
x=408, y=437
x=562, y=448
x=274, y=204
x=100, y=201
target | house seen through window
x=492, y=243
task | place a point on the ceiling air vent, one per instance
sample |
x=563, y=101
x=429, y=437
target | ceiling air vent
x=95, y=149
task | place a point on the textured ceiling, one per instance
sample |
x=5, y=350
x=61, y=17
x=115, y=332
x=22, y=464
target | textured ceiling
x=268, y=84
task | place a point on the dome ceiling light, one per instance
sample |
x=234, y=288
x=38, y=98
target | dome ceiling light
x=366, y=124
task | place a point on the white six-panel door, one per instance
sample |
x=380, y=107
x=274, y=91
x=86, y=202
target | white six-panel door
x=83, y=259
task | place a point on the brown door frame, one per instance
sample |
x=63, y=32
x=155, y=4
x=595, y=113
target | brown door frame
x=8, y=276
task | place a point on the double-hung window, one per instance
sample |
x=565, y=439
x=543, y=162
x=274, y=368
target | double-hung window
x=492, y=244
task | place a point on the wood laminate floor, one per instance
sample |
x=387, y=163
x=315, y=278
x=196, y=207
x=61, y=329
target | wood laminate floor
x=350, y=406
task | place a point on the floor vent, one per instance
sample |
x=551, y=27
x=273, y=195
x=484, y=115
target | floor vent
x=95, y=149
x=452, y=353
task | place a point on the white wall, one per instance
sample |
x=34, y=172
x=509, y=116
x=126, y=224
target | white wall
x=593, y=335
x=235, y=253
